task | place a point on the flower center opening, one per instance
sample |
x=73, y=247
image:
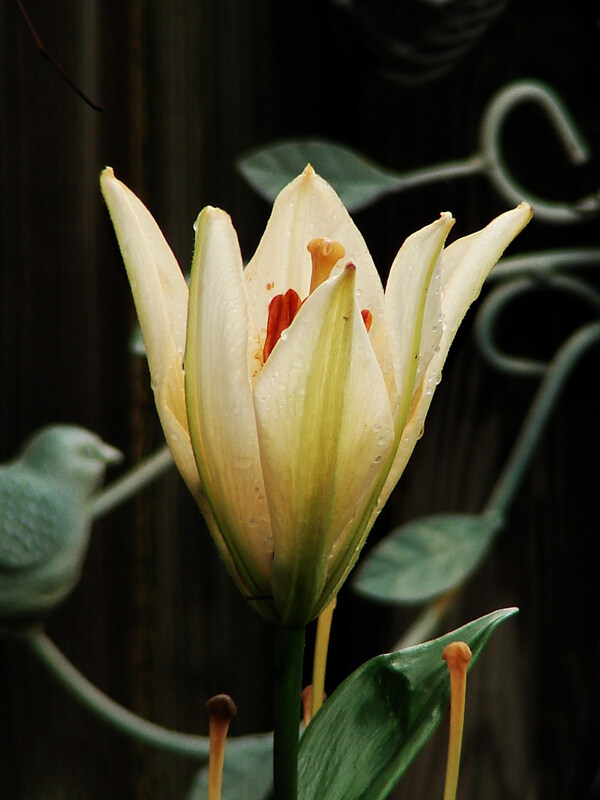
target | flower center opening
x=325, y=254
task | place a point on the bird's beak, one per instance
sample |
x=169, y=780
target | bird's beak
x=109, y=454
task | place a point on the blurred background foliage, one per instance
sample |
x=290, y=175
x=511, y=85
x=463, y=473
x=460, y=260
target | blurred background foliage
x=187, y=88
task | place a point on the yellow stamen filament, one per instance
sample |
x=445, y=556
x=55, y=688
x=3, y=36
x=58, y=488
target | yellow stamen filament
x=325, y=254
x=221, y=709
x=457, y=656
x=320, y=657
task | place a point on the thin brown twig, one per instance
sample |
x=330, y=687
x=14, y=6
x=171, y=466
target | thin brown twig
x=56, y=64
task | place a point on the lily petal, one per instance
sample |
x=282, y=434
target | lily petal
x=161, y=299
x=466, y=264
x=219, y=399
x=413, y=306
x=305, y=209
x=325, y=428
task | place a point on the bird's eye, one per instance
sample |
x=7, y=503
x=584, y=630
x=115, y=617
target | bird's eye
x=88, y=451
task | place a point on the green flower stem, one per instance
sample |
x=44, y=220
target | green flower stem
x=289, y=654
x=94, y=700
x=135, y=480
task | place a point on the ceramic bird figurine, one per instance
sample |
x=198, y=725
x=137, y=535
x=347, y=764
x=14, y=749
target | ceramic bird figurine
x=45, y=517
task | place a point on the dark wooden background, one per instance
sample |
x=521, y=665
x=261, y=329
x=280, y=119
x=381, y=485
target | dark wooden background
x=187, y=87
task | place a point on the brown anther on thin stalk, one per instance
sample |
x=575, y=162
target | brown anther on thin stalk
x=221, y=709
x=457, y=656
x=221, y=705
x=325, y=254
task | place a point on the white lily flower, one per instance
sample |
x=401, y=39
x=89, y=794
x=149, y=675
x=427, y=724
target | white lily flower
x=305, y=386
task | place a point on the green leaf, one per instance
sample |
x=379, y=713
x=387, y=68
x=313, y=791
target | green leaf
x=357, y=181
x=368, y=732
x=247, y=772
x=426, y=557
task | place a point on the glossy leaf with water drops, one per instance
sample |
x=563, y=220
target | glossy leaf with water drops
x=368, y=732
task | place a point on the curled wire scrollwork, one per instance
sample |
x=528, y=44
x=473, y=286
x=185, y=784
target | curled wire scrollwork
x=498, y=302
x=553, y=374
x=572, y=140
x=489, y=161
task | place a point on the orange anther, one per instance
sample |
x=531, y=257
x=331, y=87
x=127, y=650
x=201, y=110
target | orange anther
x=367, y=318
x=282, y=310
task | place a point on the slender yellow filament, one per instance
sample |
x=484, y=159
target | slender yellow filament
x=320, y=657
x=457, y=656
x=221, y=708
x=325, y=254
